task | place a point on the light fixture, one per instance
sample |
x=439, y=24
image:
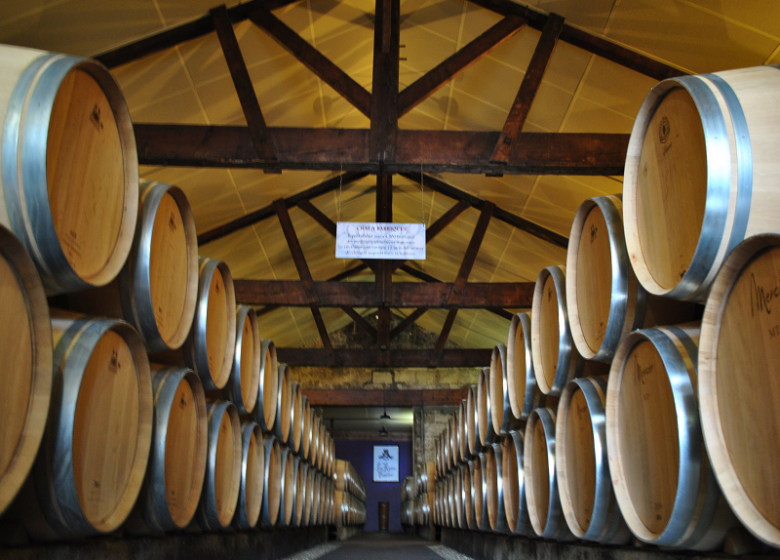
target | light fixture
x=383, y=432
x=385, y=415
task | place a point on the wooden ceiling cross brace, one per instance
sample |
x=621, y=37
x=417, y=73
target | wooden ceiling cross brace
x=384, y=397
x=315, y=61
x=408, y=322
x=303, y=271
x=258, y=131
x=528, y=88
x=428, y=84
x=267, y=211
x=360, y=321
x=395, y=357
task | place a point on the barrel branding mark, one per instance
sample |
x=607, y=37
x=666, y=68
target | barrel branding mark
x=761, y=297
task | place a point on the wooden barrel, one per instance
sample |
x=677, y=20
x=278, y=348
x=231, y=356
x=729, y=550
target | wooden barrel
x=243, y=386
x=738, y=415
x=541, y=483
x=556, y=360
x=221, y=488
x=209, y=348
x=501, y=415
x=26, y=355
x=445, y=448
x=472, y=422
x=296, y=418
x=700, y=176
x=454, y=441
x=524, y=393
x=306, y=427
x=460, y=421
x=94, y=456
x=308, y=502
x=268, y=387
x=287, y=489
x=513, y=477
x=157, y=289
x=406, y=512
x=407, y=487
x=487, y=434
x=663, y=481
x=300, y=490
x=495, y=489
x=582, y=466
x=467, y=492
x=68, y=149
x=457, y=498
x=606, y=302
x=480, y=488
x=250, y=496
x=321, y=447
x=315, y=504
x=283, y=405
x=272, y=481
x=316, y=422
x=177, y=464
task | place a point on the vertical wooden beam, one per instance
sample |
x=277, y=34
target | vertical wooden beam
x=471, y=254
x=528, y=88
x=384, y=272
x=445, y=333
x=303, y=271
x=258, y=131
x=384, y=95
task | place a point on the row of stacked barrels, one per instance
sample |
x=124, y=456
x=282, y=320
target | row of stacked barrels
x=417, y=497
x=622, y=406
x=350, y=496
x=146, y=398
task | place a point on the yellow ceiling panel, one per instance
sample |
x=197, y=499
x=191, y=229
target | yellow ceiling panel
x=205, y=60
x=508, y=192
x=442, y=17
x=593, y=19
x=152, y=79
x=548, y=215
x=280, y=326
x=549, y=107
x=475, y=22
x=81, y=27
x=423, y=51
x=220, y=101
x=491, y=83
x=687, y=36
x=176, y=12
x=616, y=87
x=182, y=107
x=430, y=114
x=569, y=192
x=761, y=16
x=587, y=116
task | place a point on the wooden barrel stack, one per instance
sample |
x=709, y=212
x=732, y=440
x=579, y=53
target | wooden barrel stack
x=673, y=443
x=349, y=494
x=418, y=495
x=183, y=443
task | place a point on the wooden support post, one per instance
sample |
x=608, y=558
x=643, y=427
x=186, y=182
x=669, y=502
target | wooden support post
x=261, y=139
x=528, y=88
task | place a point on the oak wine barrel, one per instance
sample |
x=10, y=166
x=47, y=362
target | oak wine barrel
x=495, y=489
x=272, y=473
x=662, y=477
x=556, y=359
x=472, y=422
x=243, y=386
x=524, y=393
x=250, y=496
x=541, y=481
x=739, y=363
x=68, y=148
x=219, y=498
x=308, y=505
x=467, y=492
x=316, y=424
x=26, y=355
x=296, y=418
x=487, y=434
x=463, y=446
x=209, y=348
x=94, y=456
x=700, y=176
x=268, y=387
x=582, y=466
x=287, y=488
x=299, y=467
x=306, y=427
x=501, y=414
x=177, y=464
x=283, y=405
x=479, y=483
x=315, y=505
x=513, y=473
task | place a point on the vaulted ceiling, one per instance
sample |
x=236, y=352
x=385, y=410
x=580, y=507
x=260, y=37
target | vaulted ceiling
x=190, y=83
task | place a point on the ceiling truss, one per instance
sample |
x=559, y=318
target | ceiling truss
x=384, y=150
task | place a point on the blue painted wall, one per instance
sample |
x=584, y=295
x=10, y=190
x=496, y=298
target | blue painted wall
x=361, y=455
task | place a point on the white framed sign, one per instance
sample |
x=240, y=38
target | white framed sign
x=377, y=240
x=386, y=463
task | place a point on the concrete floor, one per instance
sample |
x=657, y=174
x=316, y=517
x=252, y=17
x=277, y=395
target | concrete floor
x=380, y=546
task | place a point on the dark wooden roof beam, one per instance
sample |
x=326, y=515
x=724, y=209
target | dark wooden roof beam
x=315, y=61
x=408, y=322
x=396, y=358
x=586, y=41
x=437, y=151
x=291, y=293
x=528, y=88
x=384, y=397
x=258, y=131
x=427, y=85
x=360, y=321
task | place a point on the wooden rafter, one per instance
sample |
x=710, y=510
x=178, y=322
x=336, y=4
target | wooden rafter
x=395, y=358
x=315, y=61
x=407, y=322
x=176, y=35
x=360, y=321
x=404, y=295
x=384, y=397
x=528, y=88
x=586, y=41
x=258, y=131
x=521, y=223
x=438, y=151
x=427, y=85
x=267, y=211
x=303, y=271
